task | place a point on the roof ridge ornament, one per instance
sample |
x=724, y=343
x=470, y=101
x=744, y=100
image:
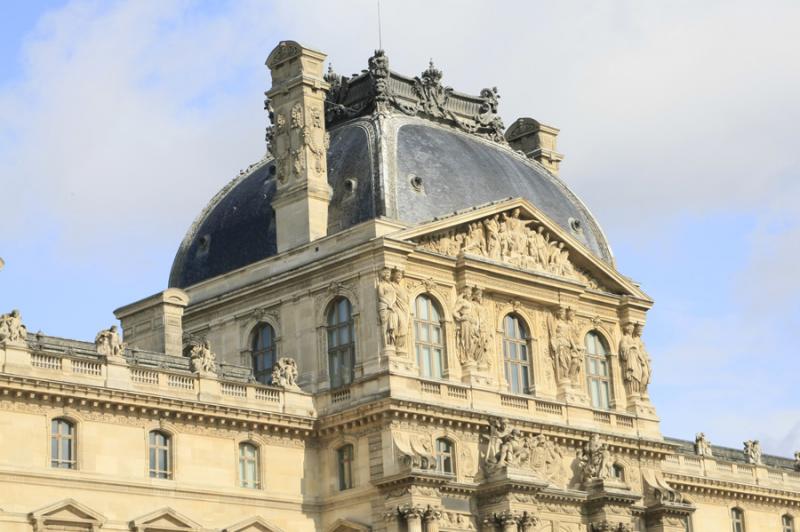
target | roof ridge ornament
x=380, y=91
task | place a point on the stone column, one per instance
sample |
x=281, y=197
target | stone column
x=431, y=519
x=413, y=516
x=509, y=521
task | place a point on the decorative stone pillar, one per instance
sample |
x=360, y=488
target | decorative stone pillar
x=431, y=519
x=299, y=144
x=509, y=521
x=527, y=522
x=413, y=515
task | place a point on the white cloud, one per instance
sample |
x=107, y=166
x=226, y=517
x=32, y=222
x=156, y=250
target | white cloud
x=130, y=116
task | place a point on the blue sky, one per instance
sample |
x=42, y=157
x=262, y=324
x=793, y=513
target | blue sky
x=119, y=120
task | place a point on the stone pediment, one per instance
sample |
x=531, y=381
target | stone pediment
x=253, y=524
x=67, y=512
x=514, y=233
x=164, y=520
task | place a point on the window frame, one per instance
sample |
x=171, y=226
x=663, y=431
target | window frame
x=787, y=523
x=443, y=456
x=256, y=351
x=599, y=385
x=253, y=461
x=168, y=473
x=737, y=518
x=57, y=440
x=523, y=370
x=340, y=354
x=345, y=456
x=431, y=327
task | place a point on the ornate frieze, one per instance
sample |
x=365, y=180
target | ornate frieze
x=508, y=238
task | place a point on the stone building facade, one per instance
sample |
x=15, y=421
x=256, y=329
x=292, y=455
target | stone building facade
x=400, y=320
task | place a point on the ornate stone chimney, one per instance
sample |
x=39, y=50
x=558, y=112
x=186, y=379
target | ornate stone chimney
x=298, y=142
x=155, y=323
x=537, y=141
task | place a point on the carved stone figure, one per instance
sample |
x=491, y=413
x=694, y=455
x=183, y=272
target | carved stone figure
x=284, y=373
x=109, y=344
x=11, y=327
x=565, y=352
x=506, y=237
x=701, y=445
x=387, y=307
x=483, y=330
x=466, y=325
x=752, y=452
x=797, y=460
x=432, y=95
x=632, y=359
x=402, y=309
x=417, y=451
x=595, y=460
x=645, y=361
x=202, y=359
x=509, y=447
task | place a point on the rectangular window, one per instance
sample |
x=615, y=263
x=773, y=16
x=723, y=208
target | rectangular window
x=160, y=455
x=345, y=461
x=248, y=466
x=62, y=444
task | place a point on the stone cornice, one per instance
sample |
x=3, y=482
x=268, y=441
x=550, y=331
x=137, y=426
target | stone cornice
x=731, y=490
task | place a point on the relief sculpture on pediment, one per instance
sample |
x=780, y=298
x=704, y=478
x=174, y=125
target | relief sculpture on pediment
x=506, y=237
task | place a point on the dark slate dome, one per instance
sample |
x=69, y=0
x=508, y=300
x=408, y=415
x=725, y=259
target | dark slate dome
x=396, y=162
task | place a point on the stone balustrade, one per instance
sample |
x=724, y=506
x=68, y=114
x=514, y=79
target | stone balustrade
x=81, y=367
x=720, y=469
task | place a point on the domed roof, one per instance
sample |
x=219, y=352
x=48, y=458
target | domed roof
x=407, y=166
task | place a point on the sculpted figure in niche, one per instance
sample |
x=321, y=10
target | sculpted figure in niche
x=632, y=359
x=644, y=361
x=109, y=344
x=752, y=451
x=565, y=352
x=483, y=338
x=402, y=309
x=202, y=359
x=11, y=327
x=701, y=445
x=284, y=373
x=466, y=325
x=595, y=460
x=387, y=307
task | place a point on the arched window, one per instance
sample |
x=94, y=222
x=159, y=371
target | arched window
x=788, y=523
x=248, y=466
x=62, y=444
x=341, y=343
x=597, y=370
x=515, y=354
x=429, y=338
x=263, y=352
x=344, y=459
x=737, y=519
x=444, y=456
x=160, y=450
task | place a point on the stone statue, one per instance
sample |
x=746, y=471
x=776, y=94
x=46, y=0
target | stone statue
x=647, y=371
x=797, y=461
x=752, y=452
x=11, y=327
x=595, y=460
x=108, y=343
x=701, y=445
x=631, y=357
x=482, y=331
x=565, y=352
x=466, y=325
x=202, y=359
x=387, y=307
x=284, y=373
x=402, y=309
x=508, y=447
